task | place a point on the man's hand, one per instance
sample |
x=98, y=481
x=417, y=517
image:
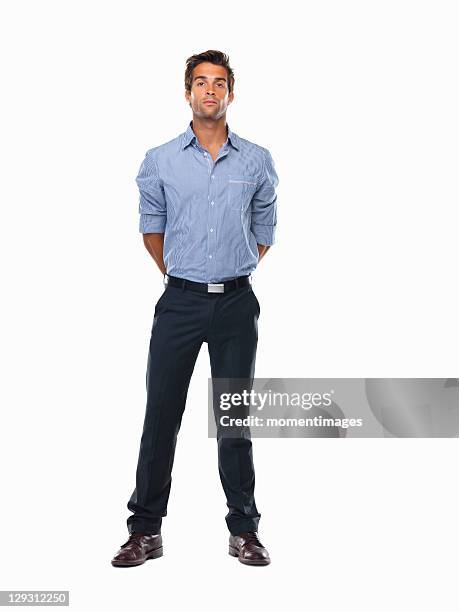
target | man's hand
x=154, y=244
x=262, y=250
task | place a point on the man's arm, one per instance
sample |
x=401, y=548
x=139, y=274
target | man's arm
x=152, y=209
x=154, y=244
x=264, y=207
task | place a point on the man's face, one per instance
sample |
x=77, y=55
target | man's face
x=209, y=84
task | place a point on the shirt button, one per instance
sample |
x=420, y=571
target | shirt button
x=212, y=202
x=205, y=154
x=210, y=256
x=212, y=176
x=211, y=229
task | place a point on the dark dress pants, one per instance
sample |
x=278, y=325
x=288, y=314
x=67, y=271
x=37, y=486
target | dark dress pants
x=185, y=318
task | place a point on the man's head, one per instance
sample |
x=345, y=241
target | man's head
x=208, y=77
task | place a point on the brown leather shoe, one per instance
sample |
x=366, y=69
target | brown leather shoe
x=248, y=548
x=139, y=548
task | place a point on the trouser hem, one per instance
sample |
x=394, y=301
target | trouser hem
x=144, y=528
x=242, y=526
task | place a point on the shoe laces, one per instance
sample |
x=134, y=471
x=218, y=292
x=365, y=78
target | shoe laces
x=252, y=538
x=134, y=538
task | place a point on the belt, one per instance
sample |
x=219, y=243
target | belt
x=234, y=283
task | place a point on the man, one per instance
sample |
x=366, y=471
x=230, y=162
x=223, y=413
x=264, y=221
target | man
x=207, y=215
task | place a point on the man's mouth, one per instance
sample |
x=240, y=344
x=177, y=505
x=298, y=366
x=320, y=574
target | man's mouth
x=209, y=102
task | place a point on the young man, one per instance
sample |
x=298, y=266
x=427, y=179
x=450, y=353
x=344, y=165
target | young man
x=207, y=215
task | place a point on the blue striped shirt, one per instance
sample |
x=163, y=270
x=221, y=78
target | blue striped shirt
x=212, y=213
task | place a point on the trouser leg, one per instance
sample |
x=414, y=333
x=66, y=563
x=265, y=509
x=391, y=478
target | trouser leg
x=232, y=347
x=175, y=342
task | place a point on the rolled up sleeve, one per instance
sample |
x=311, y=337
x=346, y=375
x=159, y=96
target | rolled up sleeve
x=264, y=204
x=152, y=203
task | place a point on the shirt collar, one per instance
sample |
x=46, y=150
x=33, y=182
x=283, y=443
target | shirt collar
x=189, y=136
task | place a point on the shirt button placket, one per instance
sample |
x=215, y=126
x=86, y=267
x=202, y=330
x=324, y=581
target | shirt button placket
x=210, y=242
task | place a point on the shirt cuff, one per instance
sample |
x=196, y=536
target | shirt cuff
x=264, y=234
x=152, y=224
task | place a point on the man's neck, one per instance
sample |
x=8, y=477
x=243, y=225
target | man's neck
x=210, y=134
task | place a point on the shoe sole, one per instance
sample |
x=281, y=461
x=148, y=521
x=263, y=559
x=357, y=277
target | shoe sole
x=154, y=554
x=234, y=553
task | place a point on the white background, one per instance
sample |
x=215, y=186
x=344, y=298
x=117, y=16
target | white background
x=357, y=102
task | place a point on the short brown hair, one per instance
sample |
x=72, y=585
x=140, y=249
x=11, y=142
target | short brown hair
x=214, y=57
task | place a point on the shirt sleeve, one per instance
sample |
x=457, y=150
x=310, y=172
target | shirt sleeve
x=152, y=203
x=264, y=204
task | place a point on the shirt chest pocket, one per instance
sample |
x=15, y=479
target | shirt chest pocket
x=240, y=190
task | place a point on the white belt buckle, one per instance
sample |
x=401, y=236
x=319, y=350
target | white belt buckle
x=215, y=287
